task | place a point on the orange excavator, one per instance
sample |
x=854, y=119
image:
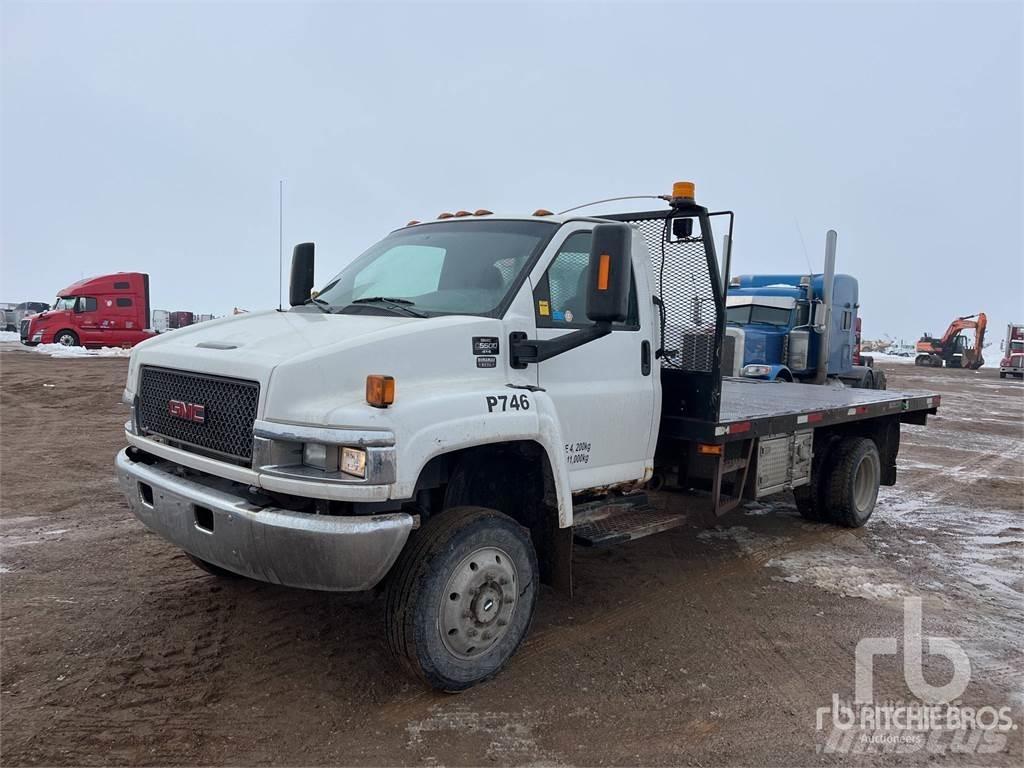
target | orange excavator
x=954, y=349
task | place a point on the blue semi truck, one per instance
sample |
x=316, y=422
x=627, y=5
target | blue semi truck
x=778, y=324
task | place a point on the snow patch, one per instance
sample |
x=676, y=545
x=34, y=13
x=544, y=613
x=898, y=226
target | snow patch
x=838, y=576
x=61, y=351
x=9, y=336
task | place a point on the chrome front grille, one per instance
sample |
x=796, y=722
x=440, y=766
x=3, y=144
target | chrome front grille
x=169, y=406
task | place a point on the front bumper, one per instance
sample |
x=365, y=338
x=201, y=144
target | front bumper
x=212, y=522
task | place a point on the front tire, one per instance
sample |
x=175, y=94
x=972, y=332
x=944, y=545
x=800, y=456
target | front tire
x=66, y=338
x=461, y=597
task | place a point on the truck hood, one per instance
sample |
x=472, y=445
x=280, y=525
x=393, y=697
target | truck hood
x=251, y=345
x=311, y=366
x=762, y=344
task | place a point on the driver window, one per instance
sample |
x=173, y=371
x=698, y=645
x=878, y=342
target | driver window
x=87, y=304
x=560, y=299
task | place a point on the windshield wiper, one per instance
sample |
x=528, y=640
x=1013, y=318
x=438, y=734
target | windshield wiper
x=322, y=305
x=400, y=305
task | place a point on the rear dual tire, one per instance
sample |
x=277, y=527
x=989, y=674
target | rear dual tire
x=844, y=489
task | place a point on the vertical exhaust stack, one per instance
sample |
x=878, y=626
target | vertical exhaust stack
x=825, y=310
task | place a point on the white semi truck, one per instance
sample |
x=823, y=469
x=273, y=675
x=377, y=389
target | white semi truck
x=467, y=400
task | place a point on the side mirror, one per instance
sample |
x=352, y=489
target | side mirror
x=818, y=313
x=302, y=274
x=609, y=273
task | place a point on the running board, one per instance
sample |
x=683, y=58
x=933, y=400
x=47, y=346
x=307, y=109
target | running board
x=606, y=523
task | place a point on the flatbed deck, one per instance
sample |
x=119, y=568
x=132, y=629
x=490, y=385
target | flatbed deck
x=752, y=408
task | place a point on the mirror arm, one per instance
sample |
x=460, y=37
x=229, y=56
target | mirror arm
x=525, y=351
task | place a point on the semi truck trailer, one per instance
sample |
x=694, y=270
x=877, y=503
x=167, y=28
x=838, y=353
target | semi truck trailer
x=469, y=400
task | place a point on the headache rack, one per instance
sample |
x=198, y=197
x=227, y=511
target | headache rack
x=691, y=302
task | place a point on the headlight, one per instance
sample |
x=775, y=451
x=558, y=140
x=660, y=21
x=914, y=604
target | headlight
x=757, y=370
x=37, y=336
x=315, y=455
x=353, y=461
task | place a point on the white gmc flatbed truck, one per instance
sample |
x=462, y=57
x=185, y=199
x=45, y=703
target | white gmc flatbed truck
x=467, y=400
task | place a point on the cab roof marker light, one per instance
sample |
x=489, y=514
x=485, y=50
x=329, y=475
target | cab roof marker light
x=412, y=223
x=543, y=212
x=444, y=215
x=461, y=214
x=482, y=212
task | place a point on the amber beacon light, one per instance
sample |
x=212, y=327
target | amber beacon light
x=683, y=189
x=380, y=390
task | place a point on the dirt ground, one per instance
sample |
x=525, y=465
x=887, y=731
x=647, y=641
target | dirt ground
x=693, y=647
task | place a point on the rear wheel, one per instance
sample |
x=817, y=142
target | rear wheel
x=66, y=338
x=461, y=597
x=850, y=489
x=880, y=380
x=810, y=499
x=1002, y=374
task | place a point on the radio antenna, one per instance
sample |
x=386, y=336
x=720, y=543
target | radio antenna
x=280, y=245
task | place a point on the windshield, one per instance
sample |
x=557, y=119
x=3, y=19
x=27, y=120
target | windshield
x=465, y=268
x=755, y=313
x=65, y=302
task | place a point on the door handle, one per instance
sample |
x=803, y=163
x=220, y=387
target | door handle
x=645, y=358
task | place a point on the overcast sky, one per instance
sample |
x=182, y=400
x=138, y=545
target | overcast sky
x=152, y=137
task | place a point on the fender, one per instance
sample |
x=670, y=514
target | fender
x=467, y=421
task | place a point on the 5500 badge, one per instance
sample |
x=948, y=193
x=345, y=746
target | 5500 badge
x=507, y=403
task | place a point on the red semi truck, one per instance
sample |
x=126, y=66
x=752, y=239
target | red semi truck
x=105, y=311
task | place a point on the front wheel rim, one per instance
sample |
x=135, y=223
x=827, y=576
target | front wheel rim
x=478, y=603
x=66, y=340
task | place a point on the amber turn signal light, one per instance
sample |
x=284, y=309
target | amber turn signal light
x=604, y=265
x=709, y=449
x=380, y=390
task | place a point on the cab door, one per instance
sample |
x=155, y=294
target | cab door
x=87, y=318
x=604, y=391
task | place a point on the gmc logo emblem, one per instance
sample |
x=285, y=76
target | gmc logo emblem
x=187, y=411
